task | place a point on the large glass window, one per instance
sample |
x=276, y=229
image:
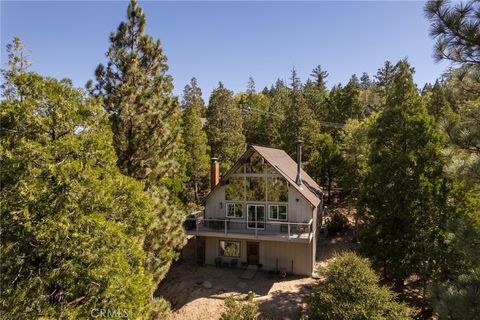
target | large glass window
x=277, y=212
x=277, y=190
x=229, y=248
x=256, y=216
x=235, y=189
x=234, y=210
x=255, y=164
x=255, y=188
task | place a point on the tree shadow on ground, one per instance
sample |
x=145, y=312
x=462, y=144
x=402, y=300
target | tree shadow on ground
x=286, y=305
x=185, y=282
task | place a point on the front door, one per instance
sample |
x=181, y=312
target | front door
x=252, y=253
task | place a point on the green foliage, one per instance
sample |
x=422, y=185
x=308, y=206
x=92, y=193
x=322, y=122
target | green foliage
x=254, y=108
x=325, y=162
x=403, y=196
x=438, y=105
x=455, y=27
x=17, y=63
x=299, y=121
x=273, y=118
x=72, y=225
x=195, y=143
x=336, y=224
x=350, y=291
x=240, y=309
x=225, y=127
x=145, y=119
x=355, y=148
x=159, y=309
x=458, y=300
x=345, y=103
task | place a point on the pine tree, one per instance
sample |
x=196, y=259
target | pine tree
x=316, y=93
x=251, y=86
x=402, y=200
x=384, y=75
x=145, y=119
x=455, y=27
x=365, y=81
x=325, y=162
x=225, y=127
x=72, y=224
x=438, y=104
x=17, y=63
x=272, y=120
x=299, y=122
x=319, y=78
x=195, y=141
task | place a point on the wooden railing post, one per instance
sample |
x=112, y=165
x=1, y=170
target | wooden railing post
x=288, y=231
x=225, y=228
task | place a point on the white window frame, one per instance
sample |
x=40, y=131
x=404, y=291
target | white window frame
x=278, y=215
x=264, y=222
x=220, y=249
x=234, y=204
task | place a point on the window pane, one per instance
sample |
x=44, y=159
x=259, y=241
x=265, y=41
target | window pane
x=273, y=212
x=282, y=212
x=230, y=209
x=277, y=190
x=238, y=210
x=255, y=164
x=230, y=248
x=269, y=168
x=255, y=189
x=234, y=190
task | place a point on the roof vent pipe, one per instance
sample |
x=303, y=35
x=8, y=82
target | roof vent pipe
x=214, y=173
x=298, y=180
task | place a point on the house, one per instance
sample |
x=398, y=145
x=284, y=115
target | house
x=265, y=211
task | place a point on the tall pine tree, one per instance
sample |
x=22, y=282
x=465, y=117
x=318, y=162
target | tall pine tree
x=145, y=119
x=195, y=142
x=403, y=194
x=225, y=127
x=299, y=122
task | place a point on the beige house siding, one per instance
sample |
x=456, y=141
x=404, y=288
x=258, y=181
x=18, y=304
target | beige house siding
x=295, y=258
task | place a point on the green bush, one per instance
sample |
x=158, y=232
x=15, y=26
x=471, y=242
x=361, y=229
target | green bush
x=337, y=223
x=158, y=309
x=350, y=291
x=240, y=308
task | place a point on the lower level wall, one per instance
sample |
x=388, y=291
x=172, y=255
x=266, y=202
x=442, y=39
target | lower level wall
x=296, y=258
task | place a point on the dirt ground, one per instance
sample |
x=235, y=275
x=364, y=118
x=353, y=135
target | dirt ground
x=279, y=299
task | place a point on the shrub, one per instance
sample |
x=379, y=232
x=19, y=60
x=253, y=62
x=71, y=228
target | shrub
x=337, y=223
x=351, y=291
x=158, y=309
x=240, y=308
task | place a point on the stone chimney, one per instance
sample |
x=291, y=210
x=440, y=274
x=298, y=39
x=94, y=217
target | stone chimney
x=214, y=173
x=298, y=180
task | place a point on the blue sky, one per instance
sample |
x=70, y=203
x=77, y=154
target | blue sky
x=229, y=41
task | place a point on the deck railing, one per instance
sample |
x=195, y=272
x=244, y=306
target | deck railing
x=197, y=223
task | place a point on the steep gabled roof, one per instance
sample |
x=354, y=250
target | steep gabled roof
x=285, y=166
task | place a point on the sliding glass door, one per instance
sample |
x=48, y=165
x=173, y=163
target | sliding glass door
x=256, y=216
